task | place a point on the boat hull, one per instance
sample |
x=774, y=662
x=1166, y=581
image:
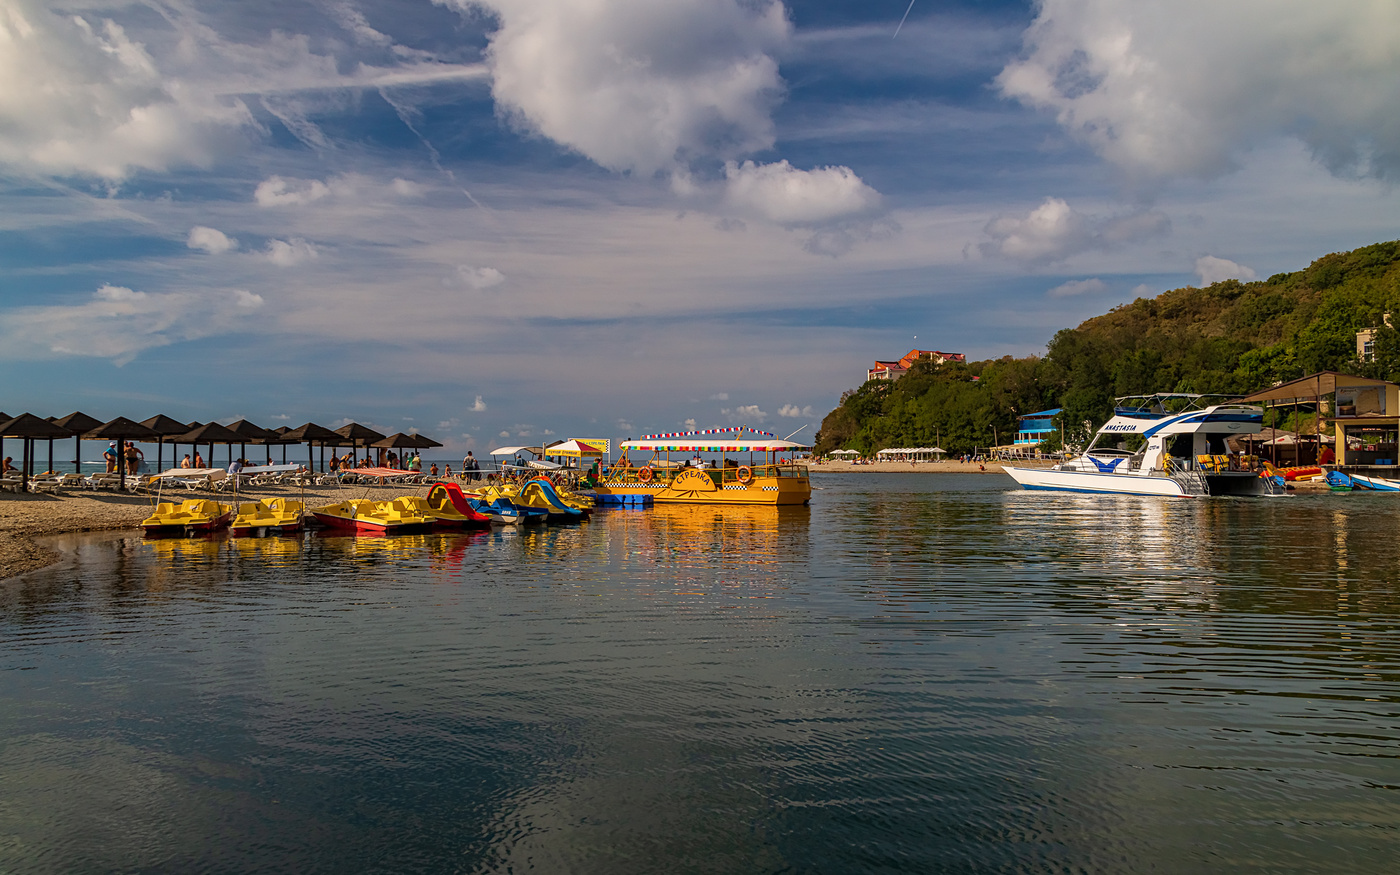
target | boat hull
x=369, y=526
x=770, y=485
x=1051, y=480
x=193, y=517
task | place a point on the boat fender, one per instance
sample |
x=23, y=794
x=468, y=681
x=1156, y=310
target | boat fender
x=644, y=475
x=744, y=474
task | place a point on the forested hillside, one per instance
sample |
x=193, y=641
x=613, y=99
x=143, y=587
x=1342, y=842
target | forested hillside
x=1231, y=337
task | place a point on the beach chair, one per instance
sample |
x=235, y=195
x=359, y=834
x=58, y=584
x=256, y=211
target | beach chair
x=11, y=483
x=45, y=484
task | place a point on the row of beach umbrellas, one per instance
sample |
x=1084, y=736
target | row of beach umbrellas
x=163, y=430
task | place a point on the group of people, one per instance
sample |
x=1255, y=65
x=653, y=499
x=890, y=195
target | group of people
x=133, y=456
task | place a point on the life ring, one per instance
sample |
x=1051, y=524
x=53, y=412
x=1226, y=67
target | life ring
x=644, y=475
x=744, y=474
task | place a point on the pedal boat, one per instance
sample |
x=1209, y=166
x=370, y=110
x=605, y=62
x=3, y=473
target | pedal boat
x=278, y=516
x=501, y=500
x=452, y=509
x=363, y=516
x=761, y=478
x=541, y=494
x=197, y=516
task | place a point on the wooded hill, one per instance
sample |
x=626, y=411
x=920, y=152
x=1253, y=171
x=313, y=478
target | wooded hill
x=1231, y=337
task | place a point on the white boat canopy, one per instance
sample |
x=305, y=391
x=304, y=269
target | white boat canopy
x=511, y=451
x=713, y=445
x=844, y=453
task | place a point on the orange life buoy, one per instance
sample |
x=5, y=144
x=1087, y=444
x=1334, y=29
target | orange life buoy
x=644, y=475
x=744, y=474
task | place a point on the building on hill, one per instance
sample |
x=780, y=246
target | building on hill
x=1034, y=427
x=1366, y=342
x=895, y=370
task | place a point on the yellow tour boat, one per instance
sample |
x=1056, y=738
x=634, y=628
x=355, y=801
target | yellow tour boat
x=746, y=472
x=197, y=516
x=277, y=516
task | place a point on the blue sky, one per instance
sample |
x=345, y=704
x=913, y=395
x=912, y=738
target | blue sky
x=513, y=220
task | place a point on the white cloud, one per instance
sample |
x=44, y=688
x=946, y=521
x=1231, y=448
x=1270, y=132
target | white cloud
x=1073, y=288
x=247, y=300
x=624, y=425
x=1054, y=231
x=720, y=396
x=276, y=191
x=281, y=417
x=479, y=278
x=479, y=405
x=781, y=193
x=744, y=412
x=211, y=240
x=118, y=323
x=689, y=424
x=1212, y=270
x=406, y=188
x=637, y=85
x=1142, y=290
x=792, y=411
x=1182, y=87
x=78, y=96
x=290, y=253
x=504, y=433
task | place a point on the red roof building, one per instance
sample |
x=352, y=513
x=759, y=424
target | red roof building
x=895, y=370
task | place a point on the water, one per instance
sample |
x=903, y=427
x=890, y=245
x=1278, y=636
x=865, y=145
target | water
x=922, y=673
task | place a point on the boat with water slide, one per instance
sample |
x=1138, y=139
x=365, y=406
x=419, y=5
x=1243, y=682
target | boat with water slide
x=748, y=471
x=363, y=516
x=196, y=516
x=1170, y=444
x=275, y=516
x=452, y=508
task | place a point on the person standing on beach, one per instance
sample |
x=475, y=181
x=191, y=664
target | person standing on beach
x=185, y=462
x=110, y=456
x=198, y=459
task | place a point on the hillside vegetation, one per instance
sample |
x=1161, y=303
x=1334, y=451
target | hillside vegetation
x=1231, y=337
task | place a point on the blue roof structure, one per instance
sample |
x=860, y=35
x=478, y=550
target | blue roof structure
x=1044, y=414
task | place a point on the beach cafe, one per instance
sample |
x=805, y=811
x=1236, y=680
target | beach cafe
x=910, y=454
x=1364, y=415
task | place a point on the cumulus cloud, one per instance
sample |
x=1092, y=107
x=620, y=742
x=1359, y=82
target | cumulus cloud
x=1182, y=87
x=211, y=240
x=290, y=253
x=744, y=412
x=479, y=278
x=784, y=194
x=792, y=411
x=636, y=85
x=1213, y=270
x=1054, y=230
x=479, y=405
x=277, y=191
x=118, y=323
x=1073, y=288
x=78, y=96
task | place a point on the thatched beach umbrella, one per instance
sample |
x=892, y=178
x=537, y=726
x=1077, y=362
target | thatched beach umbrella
x=359, y=435
x=77, y=422
x=398, y=441
x=252, y=433
x=210, y=433
x=121, y=429
x=312, y=433
x=166, y=428
x=32, y=428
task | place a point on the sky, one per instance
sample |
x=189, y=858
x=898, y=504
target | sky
x=513, y=221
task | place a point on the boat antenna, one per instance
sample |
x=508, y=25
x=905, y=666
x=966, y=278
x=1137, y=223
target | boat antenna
x=789, y=437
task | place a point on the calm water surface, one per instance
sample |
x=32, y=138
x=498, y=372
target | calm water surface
x=920, y=673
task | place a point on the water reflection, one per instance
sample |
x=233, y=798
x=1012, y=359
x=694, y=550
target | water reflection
x=918, y=673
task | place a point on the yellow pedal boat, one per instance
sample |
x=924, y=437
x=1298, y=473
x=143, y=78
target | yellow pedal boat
x=361, y=515
x=197, y=516
x=277, y=516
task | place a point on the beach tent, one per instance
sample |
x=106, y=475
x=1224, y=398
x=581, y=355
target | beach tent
x=398, y=441
x=844, y=453
x=310, y=433
x=121, y=429
x=424, y=442
x=76, y=422
x=30, y=428
x=575, y=449
x=253, y=434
